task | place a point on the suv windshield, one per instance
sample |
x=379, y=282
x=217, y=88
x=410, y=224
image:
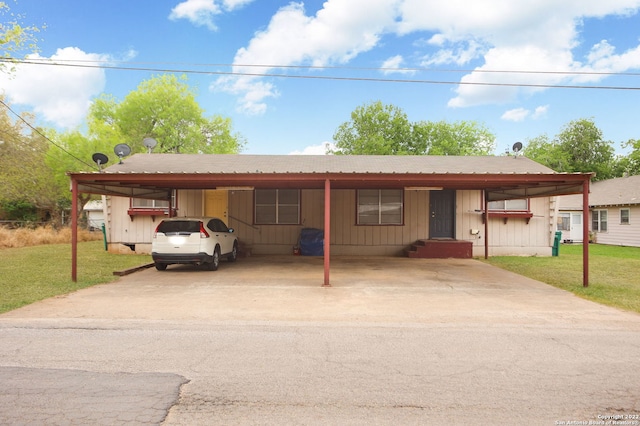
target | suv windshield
x=179, y=227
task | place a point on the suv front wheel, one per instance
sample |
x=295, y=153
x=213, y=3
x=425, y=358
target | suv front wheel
x=234, y=253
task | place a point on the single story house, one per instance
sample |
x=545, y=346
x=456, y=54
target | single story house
x=570, y=217
x=366, y=205
x=95, y=214
x=614, y=211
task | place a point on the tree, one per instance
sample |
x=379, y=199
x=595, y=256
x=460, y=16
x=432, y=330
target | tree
x=547, y=152
x=587, y=151
x=630, y=164
x=15, y=38
x=24, y=176
x=386, y=130
x=163, y=108
x=579, y=147
x=457, y=138
x=375, y=129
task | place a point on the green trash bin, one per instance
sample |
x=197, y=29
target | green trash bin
x=556, y=244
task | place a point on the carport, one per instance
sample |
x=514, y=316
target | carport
x=157, y=176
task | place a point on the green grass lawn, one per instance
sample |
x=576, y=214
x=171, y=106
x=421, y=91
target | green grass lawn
x=30, y=274
x=614, y=272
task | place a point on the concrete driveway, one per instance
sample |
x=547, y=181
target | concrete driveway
x=393, y=341
x=364, y=289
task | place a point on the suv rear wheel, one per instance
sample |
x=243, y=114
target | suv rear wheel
x=215, y=262
x=161, y=266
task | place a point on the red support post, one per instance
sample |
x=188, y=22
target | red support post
x=585, y=233
x=74, y=230
x=327, y=232
x=486, y=223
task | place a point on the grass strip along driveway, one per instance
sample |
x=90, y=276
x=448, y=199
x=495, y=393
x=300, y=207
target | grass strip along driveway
x=613, y=273
x=30, y=274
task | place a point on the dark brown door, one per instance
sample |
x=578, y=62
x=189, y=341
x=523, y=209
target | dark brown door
x=442, y=210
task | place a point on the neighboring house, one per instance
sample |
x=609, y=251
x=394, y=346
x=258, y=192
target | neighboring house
x=614, y=210
x=95, y=214
x=569, y=218
x=378, y=205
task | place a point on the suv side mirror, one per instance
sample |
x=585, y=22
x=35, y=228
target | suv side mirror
x=231, y=230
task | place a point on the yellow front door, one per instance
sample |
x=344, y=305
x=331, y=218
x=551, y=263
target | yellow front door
x=216, y=204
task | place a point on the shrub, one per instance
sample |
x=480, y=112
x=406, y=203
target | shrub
x=19, y=210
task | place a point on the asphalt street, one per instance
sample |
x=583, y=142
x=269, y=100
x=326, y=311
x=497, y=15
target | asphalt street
x=303, y=373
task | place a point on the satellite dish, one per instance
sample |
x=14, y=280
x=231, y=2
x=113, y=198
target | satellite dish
x=150, y=143
x=100, y=159
x=122, y=150
x=517, y=147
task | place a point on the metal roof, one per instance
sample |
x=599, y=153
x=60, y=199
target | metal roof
x=155, y=175
x=288, y=164
x=623, y=191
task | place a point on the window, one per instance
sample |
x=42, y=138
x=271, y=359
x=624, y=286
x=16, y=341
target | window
x=141, y=203
x=510, y=205
x=624, y=216
x=564, y=222
x=380, y=207
x=599, y=220
x=277, y=206
x=217, y=225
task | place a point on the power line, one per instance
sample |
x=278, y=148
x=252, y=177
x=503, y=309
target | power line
x=322, y=67
x=99, y=65
x=45, y=136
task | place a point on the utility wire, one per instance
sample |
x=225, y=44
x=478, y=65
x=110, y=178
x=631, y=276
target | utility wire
x=92, y=166
x=317, y=77
x=63, y=62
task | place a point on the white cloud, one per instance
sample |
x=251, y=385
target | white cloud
x=315, y=149
x=202, y=12
x=461, y=54
x=540, y=112
x=537, y=36
x=60, y=94
x=518, y=114
x=394, y=65
x=495, y=35
x=336, y=34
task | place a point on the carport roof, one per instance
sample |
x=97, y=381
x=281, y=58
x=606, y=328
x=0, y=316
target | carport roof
x=156, y=175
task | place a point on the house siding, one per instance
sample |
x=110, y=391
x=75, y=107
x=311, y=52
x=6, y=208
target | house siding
x=620, y=234
x=126, y=233
x=515, y=237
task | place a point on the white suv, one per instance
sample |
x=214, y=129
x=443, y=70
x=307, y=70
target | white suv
x=198, y=241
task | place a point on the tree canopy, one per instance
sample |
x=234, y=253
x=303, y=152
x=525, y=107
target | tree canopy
x=579, y=147
x=164, y=108
x=23, y=174
x=15, y=38
x=382, y=129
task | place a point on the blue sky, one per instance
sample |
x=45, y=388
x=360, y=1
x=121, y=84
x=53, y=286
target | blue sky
x=325, y=47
